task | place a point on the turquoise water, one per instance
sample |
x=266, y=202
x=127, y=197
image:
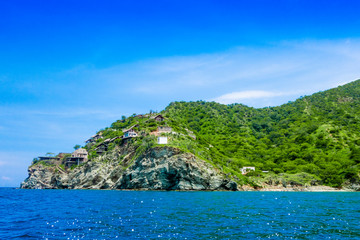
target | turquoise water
x=91, y=214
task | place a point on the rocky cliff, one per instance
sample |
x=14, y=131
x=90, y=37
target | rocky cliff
x=158, y=168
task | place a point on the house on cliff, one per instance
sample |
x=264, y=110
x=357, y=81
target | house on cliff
x=94, y=138
x=246, y=170
x=162, y=140
x=103, y=147
x=161, y=129
x=130, y=132
x=77, y=157
x=47, y=159
x=158, y=118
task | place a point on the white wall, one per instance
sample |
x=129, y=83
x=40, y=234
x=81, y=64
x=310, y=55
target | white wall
x=162, y=140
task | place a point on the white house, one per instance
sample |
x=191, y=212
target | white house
x=130, y=133
x=245, y=170
x=162, y=140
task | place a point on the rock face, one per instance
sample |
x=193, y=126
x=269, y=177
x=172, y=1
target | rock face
x=159, y=168
x=168, y=168
x=40, y=177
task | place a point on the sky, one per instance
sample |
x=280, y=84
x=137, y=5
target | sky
x=70, y=68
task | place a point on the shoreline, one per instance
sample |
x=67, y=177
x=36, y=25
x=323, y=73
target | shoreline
x=246, y=189
x=321, y=188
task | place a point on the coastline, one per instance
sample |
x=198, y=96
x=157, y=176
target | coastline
x=242, y=189
x=321, y=188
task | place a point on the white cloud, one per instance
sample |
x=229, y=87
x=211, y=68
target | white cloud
x=65, y=112
x=88, y=98
x=239, y=96
x=306, y=67
x=6, y=178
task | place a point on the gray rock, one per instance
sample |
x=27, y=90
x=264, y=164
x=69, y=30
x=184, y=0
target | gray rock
x=160, y=168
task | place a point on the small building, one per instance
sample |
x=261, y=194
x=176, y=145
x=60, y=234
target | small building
x=113, y=139
x=48, y=158
x=71, y=161
x=62, y=155
x=162, y=140
x=140, y=116
x=103, y=147
x=246, y=170
x=80, y=153
x=161, y=129
x=94, y=138
x=130, y=132
x=164, y=129
x=158, y=118
x=77, y=157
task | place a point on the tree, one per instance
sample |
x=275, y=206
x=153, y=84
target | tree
x=77, y=146
x=355, y=154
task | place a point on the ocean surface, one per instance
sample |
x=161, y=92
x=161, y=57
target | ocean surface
x=96, y=214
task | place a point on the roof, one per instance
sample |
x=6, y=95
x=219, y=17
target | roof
x=159, y=115
x=94, y=136
x=126, y=130
x=48, y=158
x=97, y=135
x=80, y=150
x=108, y=140
x=114, y=139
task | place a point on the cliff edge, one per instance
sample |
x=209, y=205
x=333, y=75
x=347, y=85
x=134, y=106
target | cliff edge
x=158, y=168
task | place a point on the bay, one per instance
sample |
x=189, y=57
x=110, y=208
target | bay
x=100, y=214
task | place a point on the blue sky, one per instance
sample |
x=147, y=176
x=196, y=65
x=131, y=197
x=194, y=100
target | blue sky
x=70, y=68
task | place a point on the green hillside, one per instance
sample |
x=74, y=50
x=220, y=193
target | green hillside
x=317, y=136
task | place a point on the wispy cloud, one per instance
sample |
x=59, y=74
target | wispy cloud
x=62, y=113
x=6, y=178
x=244, y=95
x=55, y=111
x=307, y=67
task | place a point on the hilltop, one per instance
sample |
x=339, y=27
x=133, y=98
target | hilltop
x=206, y=145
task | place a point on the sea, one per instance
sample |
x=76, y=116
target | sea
x=111, y=214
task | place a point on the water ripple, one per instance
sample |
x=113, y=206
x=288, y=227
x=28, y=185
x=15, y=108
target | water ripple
x=85, y=214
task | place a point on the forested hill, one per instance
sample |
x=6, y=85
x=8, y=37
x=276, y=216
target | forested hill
x=317, y=134
x=312, y=141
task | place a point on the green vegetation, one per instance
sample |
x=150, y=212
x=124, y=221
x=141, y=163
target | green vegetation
x=77, y=146
x=285, y=179
x=314, y=139
x=46, y=163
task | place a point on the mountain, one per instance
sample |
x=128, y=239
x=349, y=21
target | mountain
x=312, y=141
